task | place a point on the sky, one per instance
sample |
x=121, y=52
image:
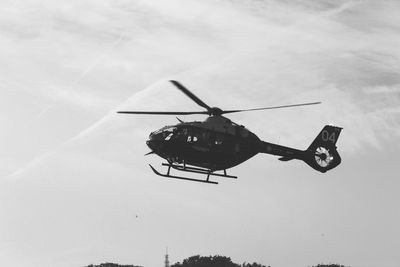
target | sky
x=75, y=188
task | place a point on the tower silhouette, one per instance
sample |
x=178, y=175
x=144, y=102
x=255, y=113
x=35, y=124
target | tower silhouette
x=166, y=258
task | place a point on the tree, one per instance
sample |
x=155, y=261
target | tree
x=253, y=265
x=329, y=265
x=212, y=261
x=107, y=264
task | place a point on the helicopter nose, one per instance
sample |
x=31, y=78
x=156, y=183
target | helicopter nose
x=154, y=142
x=151, y=144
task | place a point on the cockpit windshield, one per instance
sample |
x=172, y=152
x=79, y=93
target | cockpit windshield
x=166, y=132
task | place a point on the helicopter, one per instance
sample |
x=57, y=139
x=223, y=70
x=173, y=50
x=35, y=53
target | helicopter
x=212, y=146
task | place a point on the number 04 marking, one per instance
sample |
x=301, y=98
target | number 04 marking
x=328, y=137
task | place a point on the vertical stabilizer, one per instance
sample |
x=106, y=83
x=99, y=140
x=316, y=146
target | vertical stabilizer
x=322, y=154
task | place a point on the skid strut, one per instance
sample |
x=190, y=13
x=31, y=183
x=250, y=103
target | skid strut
x=185, y=168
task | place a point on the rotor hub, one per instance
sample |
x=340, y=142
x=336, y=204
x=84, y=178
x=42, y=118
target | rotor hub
x=216, y=111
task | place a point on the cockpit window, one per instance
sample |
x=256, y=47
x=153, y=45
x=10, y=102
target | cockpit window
x=169, y=136
x=167, y=132
x=170, y=129
x=165, y=129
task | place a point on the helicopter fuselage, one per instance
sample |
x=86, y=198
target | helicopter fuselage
x=216, y=143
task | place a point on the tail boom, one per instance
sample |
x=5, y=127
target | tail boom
x=286, y=153
x=321, y=155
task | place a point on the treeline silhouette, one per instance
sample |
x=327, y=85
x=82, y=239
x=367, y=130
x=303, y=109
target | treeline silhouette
x=210, y=261
x=107, y=264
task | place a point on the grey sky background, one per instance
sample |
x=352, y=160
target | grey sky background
x=75, y=188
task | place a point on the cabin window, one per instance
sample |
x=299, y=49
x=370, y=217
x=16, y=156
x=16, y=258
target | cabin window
x=219, y=139
x=192, y=134
x=192, y=139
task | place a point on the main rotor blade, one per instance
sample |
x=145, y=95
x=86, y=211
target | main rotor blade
x=163, y=112
x=191, y=95
x=276, y=107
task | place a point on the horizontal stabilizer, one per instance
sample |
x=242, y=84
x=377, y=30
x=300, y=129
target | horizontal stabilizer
x=285, y=158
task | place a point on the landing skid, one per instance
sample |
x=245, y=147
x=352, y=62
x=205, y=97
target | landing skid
x=185, y=168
